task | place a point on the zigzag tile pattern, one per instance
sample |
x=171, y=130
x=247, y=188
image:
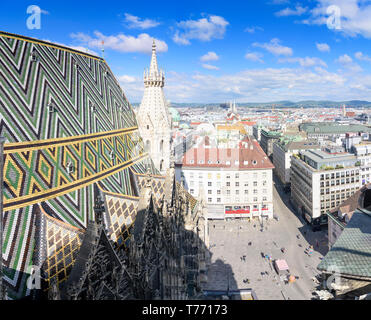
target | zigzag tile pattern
x=67, y=124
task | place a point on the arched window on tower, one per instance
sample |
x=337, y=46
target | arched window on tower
x=148, y=146
x=162, y=146
x=162, y=165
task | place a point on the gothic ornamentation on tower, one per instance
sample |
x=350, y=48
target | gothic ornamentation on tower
x=153, y=117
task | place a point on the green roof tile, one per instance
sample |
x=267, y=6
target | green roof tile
x=351, y=253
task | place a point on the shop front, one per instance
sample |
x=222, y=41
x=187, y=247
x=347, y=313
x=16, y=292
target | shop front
x=237, y=212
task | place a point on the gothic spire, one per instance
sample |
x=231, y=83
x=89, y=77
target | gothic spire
x=153, y=69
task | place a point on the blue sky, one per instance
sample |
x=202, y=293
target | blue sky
x=215, y=51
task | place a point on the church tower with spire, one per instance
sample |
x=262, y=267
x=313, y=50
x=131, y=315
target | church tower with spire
x=153, y=116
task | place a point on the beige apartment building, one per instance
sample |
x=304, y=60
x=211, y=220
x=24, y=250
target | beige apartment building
x=282, y=152
x=321, y=180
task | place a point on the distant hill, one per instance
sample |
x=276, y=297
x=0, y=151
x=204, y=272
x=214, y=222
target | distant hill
x=285, y=104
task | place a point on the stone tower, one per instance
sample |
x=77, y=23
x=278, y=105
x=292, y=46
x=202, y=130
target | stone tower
x=153, y=116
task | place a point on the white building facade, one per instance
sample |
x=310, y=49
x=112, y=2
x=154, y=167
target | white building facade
x=363, y=153
x=234, y=183
x=282, y=153
x=316, y=191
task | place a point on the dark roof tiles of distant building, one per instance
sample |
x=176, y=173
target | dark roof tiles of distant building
x=271, y=134
x=300, y=145
x=332, y=127
x=248, y=156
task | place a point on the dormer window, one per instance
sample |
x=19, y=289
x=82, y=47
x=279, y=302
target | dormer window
x=254, y=162
x=245, y=163
x=227, y=163
x=191, y=161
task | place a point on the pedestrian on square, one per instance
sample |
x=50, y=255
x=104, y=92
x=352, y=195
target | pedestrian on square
x=310, y=251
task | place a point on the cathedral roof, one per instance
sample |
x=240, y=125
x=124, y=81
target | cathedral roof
x=174, y=114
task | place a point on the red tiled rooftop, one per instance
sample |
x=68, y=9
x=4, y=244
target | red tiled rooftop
x=249, y=156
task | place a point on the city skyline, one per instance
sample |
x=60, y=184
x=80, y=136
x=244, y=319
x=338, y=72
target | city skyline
x=244, y=51
x=101, y=201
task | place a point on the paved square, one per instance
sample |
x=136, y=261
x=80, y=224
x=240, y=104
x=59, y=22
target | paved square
x=229, y=242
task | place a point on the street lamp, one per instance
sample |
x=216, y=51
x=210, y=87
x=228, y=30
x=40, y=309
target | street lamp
x=2, y=141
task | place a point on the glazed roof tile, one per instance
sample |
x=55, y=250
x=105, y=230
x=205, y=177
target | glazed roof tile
x=351, y=253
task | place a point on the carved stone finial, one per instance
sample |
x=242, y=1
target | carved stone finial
x=53, y=292
x=172, y=161
x=148, y=178
x=164, y=208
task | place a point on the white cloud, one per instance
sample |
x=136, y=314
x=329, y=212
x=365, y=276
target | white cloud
x=210, y=56
x=305, y=62
x=210, y=67
x=259, y=85
x=78, y=48
x=254, y=56
x=345, y=59
x=253, y=29
x=126, y=79
x=274, y=47
x=323, y=47
x=360, y=56
x=354, y=16
x=84, y=49
x=348, y=64
x=279, y=1
x=121, y=42
x=179, y=39
x=138, y=23
x=204, y=29
x=298, y=11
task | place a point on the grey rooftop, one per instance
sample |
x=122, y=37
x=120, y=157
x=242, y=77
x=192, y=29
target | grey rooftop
x=351, y=253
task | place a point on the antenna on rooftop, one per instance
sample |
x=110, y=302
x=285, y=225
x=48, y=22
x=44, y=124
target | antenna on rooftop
x=102, y=49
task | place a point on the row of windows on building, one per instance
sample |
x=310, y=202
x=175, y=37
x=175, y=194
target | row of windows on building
x=337, y=196
x=340, y=181
x=339, y=174
x=228, y=176
x=228, y=184
x=228, y=192
x=228, y=162
x=237, y=200
x=328, y=191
